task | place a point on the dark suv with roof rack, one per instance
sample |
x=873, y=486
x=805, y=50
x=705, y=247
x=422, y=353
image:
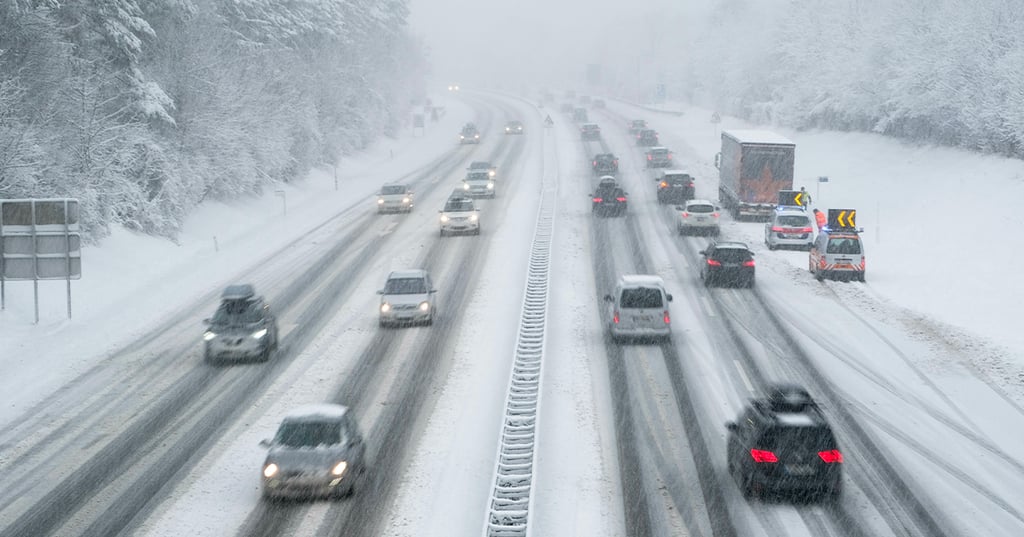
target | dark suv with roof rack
x=783, y=443
x=242, y=326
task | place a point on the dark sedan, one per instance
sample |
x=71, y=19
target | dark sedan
x=728, y=263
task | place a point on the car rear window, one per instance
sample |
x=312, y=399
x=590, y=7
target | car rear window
x=393, y=189
x=700, y=208
x=732, y=255
x=310, y=434
x=843, y=245
x=404, y=286
x=804, y=438
x=640, y=297
x=794, y=221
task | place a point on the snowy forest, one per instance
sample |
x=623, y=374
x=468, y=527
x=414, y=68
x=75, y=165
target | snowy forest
x=142, y=109
x=945, y=71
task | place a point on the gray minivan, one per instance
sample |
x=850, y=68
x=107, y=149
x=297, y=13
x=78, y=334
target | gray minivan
x=638, y=309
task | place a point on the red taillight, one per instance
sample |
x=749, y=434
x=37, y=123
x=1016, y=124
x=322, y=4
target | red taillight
x=805, y=230
x=666, y=317
x=713, y=263
x=831, y=456
x=595, y=163
x=620, y=198
x=748, y=263
x=598, y=200
x=685, y=214
x=615, y=317
x=776, y=229
x=650, y=157
x=715, y=215
x=863, y=263
x=670, y=156
x=760, y=455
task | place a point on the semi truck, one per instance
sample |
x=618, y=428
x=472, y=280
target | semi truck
x=752, y=168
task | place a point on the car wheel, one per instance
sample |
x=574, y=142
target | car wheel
x=707, y=280
x=277, y=341
x=716, y=231
x=208, y=356
x=750, y=283
x=477, y=231
x=442, y=232
x=265, y=353
x=819, y=276
x=429, y=321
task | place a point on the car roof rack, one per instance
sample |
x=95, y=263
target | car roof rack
x=789, y=398
x=241, y=291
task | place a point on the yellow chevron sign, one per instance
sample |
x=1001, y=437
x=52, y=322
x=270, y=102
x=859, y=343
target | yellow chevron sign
x=847, y=218
x=799, y=198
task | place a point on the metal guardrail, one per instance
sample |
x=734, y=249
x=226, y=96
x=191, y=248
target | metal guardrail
x=511, y=499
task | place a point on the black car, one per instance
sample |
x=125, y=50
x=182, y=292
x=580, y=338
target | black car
x=241, y=328
x=783, y=443
x=675, y=187
x=605, y=164
x=637, y=125
x=609, y=199
x=727, y=263
x=647, y=138
x=590, y=131
x=659, y=157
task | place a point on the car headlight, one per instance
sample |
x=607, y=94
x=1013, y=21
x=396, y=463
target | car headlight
x=490, y=186
x=465, y=186
x=473, y=218
x=259, y=333
x=491, y=173
x=209, y=335
x=385, y=307
x=339, y=468
x=424, y=306
x=444, y=218
x=461, y=137
x=270, y=470
x=380, y=201
x=406, y=200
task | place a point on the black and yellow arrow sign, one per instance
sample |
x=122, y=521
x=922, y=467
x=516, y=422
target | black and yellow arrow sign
x=842, y=218
x=799, y=198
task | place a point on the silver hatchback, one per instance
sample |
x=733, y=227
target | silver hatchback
x=789, y=228
x=407, y=298
x=317, y=451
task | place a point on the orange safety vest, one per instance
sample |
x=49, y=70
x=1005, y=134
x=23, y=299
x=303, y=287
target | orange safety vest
x=820, y=218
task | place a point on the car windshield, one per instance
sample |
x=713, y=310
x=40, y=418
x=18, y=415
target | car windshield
x=794, y=221
x=405, y=286
x=640, y=297
x=392, y=189
x=477, y=176
x=659, y=152
x=701, y=208
x=300, y=434
x=731, y=255
x=458, y=205
x=843, y=245
x=804, y=438
x=238, y=312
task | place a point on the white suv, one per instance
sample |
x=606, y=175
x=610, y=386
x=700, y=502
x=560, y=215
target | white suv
x=460, y=215
x=479, y=184
x=638, y=308
x=394, y=198
x=407, y=298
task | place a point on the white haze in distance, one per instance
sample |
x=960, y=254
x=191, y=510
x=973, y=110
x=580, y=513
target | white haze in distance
x=516, y=44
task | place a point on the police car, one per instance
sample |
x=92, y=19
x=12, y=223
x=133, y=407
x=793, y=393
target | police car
x=838, y=251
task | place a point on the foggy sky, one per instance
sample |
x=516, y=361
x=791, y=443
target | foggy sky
x=505, y=43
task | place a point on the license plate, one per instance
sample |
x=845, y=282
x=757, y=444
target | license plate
x=642, y=318
x=701, y=218
x=799, y=469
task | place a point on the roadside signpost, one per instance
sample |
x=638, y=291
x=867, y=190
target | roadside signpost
x=39, y=240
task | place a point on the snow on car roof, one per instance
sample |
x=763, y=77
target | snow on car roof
x=794, y=419
x=642, y=279
x=408, y=273
x=317, y=410
x=757, y=137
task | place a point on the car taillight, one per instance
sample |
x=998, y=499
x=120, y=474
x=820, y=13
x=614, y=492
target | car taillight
x=831, y=456
x=669, y=156
x=615, y=317
x=713, y=263
x=684, y=214
x=650, y=157
x=620, y=198
x=760, y=455
x=663, y=184
x=805, y=230
x=666, y=317
x=748, y=263
x=862, y=263
x=598, y=200
x=715, y=215
x=595, y=163
x=776, y=229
